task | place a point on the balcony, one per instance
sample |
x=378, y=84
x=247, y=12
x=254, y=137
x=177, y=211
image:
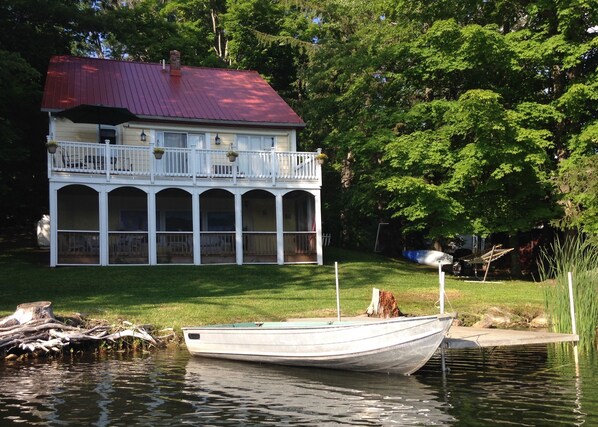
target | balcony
x=105, y=161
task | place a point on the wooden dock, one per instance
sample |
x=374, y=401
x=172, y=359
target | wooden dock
x=460, y=337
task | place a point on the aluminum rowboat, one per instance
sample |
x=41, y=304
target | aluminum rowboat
x=399, y=346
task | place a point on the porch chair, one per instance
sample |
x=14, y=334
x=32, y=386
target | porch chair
x=68, y=162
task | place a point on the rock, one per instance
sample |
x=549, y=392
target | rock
x=539, y=321
x=486, y=322
x=494, y=318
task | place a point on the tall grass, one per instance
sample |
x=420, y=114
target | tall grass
x=579, y=256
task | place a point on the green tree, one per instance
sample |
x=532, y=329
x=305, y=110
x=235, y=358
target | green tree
x=30, y=32
x=474, y=104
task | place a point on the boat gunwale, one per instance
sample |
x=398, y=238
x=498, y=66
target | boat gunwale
x=316, y=324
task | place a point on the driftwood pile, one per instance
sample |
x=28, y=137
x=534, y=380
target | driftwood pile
x=33, y=330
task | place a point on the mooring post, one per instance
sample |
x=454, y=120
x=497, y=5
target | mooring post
x=441, y=286
x=573, y=323
x=338, y=300
x=442, y=274
x=443, y=361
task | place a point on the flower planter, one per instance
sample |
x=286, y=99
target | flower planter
x=232, y=158
x=158, y=155
x=321, y=158
x=51, y=147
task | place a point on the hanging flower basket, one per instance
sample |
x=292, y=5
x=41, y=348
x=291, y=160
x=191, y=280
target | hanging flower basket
x=51, y=146
x=232, y=156
x=321, y=158
x=158, y=152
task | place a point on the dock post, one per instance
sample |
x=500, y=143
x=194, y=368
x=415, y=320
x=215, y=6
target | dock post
x=572, y=310
x=441, y=285
x=443, y=360
x=338, y=300
x=442, y=292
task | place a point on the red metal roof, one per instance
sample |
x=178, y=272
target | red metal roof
x=199, y=94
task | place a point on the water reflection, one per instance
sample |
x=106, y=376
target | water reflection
x=533, y=385
x=526, y=386
x=257, y=394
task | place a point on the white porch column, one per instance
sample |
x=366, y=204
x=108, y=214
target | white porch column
x=239, y=227
x=318, y=209
x=53, y=225
x=151, y=227
x=293, y=137
x=103, y=218
x=196, y=212
x=279, y=230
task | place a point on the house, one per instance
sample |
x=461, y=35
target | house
x=144, y=175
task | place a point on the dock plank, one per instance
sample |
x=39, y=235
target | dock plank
x=460, y=337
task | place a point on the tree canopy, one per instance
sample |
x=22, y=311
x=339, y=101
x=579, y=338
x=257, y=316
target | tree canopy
x=442, y=118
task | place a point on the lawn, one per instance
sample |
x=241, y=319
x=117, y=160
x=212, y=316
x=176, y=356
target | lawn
x=175, y=296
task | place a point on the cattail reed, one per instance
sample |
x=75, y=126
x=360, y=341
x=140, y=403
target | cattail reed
x=578, y=255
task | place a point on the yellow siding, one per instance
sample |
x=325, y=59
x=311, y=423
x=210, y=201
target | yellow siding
x=65, y=130
x=131, y=136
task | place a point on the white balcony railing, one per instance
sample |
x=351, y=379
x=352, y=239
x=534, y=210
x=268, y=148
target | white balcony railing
x=139, y=161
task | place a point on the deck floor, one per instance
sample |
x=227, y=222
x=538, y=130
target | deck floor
x=463, y=337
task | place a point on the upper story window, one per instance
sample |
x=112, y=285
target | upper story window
x=175, y=140
x=255, y=142
x=181, y=140
x=107, y=134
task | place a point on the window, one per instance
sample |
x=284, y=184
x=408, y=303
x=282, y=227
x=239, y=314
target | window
x=175, y=140
x=255, y=142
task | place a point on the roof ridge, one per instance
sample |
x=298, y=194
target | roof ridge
x=150, y=63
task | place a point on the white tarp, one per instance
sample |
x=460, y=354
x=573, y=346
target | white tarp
x=43, y=232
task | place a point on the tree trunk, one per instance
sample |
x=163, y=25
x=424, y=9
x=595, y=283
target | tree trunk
x=515, y=262
x=27, y=312
x=383, y=305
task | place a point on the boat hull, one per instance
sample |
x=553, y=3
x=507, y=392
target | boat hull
x=398, y=346
x=431, y=258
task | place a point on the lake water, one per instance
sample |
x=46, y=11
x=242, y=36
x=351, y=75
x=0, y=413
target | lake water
x=515, y=386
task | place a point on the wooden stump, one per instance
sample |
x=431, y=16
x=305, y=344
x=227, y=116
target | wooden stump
x=383, y=305
x=27, y=312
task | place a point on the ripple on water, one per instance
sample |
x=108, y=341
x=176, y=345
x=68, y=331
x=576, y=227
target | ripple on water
x=522, y=386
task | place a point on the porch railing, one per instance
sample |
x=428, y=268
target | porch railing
x=174, y=247
x=78, y=247
x=300, y=246
x=127, y=247
x=259, y=246
x=218, y=247
x=106, y=159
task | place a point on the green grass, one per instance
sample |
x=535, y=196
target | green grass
x=175, y=296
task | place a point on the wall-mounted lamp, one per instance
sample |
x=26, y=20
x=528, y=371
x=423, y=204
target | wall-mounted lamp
x=143, y=136
x=217, y=139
